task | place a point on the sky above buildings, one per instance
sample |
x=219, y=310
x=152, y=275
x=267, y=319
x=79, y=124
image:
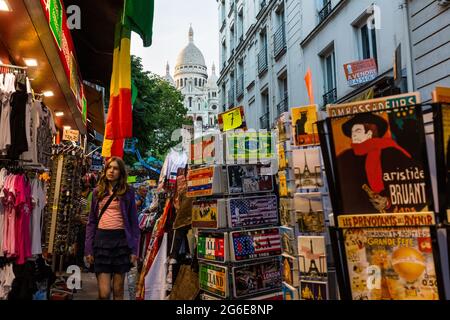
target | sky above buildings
x=170, y=33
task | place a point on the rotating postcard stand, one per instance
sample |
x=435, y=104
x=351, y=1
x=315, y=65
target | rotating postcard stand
x=392, y=254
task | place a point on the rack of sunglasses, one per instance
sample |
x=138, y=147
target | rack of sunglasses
x=63, y=200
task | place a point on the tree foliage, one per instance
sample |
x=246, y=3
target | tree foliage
x=157, y=112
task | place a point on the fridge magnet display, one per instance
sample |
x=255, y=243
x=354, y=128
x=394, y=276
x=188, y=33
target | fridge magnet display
x=248, y=179
x=252, y=212
x=380, y=162
x=250, y=147
x=209, y=214
x=313, y=290
x=287, y=213
x=304, y=125
x=214, y=279
x=312, y=257
x=307, y=168
x=253, y=244
x=309, y=212
x=290, y=270
x=256, y=278
x=391, y=263
x=212, y=246
x=289, y=241
x=289, y=292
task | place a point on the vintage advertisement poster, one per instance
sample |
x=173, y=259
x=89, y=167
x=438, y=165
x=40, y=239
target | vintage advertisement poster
x=200, y=182
x=414, y=219
x=254, y=244
x=212, y=246
x=289, y=292
x=206, y=150
x=289, y=243
x=380, y=162
x=309, y=212
x=256, y=278
x=313, y=290
x=232, y=119
x=307, y=168
x=287, y=213
x=209, y=214
x=249, y=147
x=290, y=270
x=379, y=104
x=391, y=263
x=248, y=179
x=304, y=125
x=282, y=161
x=312, y=257
x=214, y=279
x=252, y=211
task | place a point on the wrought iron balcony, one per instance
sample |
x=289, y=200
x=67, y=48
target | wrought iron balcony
x=261, y=8
x=240, y=87
x=325, y=12
x=262, y=61
x=264, y=121
x=279, y=42
x=330, y=97
x=283, y=106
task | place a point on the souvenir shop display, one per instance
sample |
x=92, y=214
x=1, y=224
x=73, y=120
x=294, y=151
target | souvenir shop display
x=213, y=246
x=302, y=189
x=379, y=173
x=249, y=147
x=255, y=244
x=252, y=211
x=214, y=279
x=206, y=181
x=64, y=199
x=313, y=290
x=248, y=179
x=209, y=214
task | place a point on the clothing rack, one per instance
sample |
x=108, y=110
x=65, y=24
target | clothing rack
x=10, y=67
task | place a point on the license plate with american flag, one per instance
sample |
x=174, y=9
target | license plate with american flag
x=254, y=244
x=253, y=212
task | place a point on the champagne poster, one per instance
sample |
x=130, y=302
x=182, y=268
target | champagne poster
x=307, y=168
x=391, y=263
x=256, y=278
x=380, y=162
x=304, y=126
x=309, y=212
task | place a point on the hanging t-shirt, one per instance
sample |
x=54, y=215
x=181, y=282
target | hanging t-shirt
x=5, y=126
x=31, y=126
x=23, y=211
x=19, y=143
x=38, y=196
x=9, y=221
x=45, y=133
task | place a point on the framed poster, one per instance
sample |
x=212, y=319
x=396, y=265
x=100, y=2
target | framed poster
x=209, y=214
x=254, y=244
x=290, y=270
x=214, y=279
x=289, y=292
x=256, y=278
x=312, y=257
x=213, y=246
x=248, y=179
x=391, y=263
x=307, y=168
x=249, y=147
x=252, y=211
x=289, y=243
x=313, y=290
x=304, y=126
x=380, y=162
x=287, y=212
x=309, y=212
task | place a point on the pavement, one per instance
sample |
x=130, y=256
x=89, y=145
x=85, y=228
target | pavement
x=89, y=289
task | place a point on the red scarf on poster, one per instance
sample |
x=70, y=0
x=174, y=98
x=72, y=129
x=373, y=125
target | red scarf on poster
x=372, y=148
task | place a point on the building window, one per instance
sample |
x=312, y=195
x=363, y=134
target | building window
x=264, y=120
x=329, y=71
x=190, y=103
x=283, y=105
x=262, y=55
x=181, y=82
x=195, y=81
x=325, y=9
x=368, y=40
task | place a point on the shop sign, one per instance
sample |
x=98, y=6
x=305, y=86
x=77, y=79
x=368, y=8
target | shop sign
x=232, y=119
x=360, y=72
x=57, y=20
x=384, y=103
x=387, y=220
x=71, y=135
